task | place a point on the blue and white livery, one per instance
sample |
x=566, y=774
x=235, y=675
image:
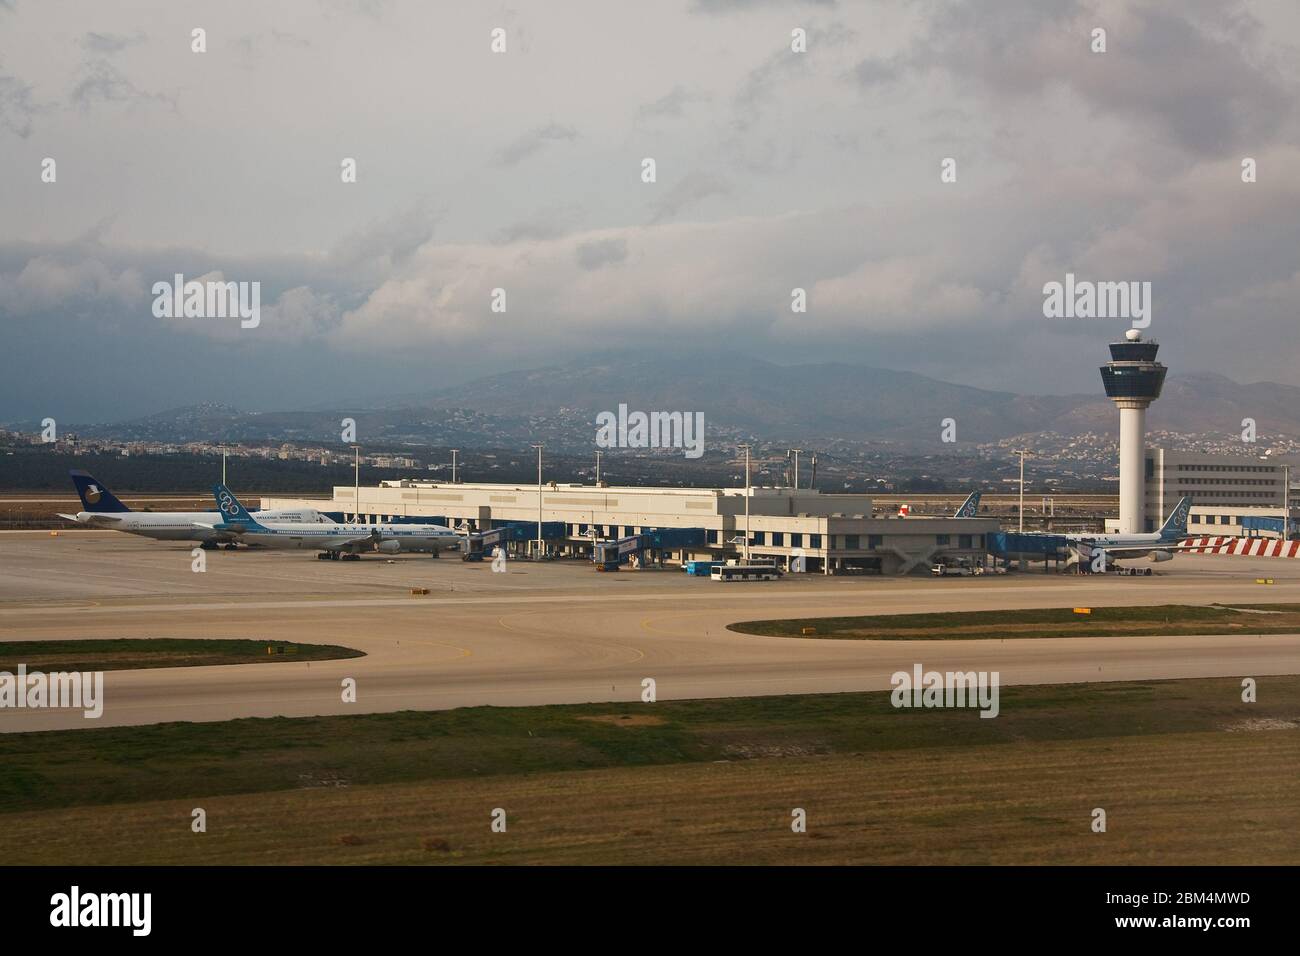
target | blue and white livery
x=331, y=539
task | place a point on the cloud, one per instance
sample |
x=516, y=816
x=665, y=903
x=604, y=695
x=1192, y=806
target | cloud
x=671, y=104
x=778, y=170
x=46, y=283
x=1168, y=67
x=691, y=189
x=109, y=43
x=17, y=106
x=534, y=140
x=598, y=253
x=741, y=6
x=102, y=82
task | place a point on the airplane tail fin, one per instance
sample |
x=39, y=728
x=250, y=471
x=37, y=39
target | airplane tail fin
x=970, y=507
x=94, y=496
x=1175, y=525
x=232, y=511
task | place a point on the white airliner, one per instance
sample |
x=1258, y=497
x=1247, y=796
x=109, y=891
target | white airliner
x=104, y=510
x=1157, y=545
x=334, y=541
x=1099, y=549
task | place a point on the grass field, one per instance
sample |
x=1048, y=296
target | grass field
x=1163, y=619
x=126, y=653
x=1186, y=771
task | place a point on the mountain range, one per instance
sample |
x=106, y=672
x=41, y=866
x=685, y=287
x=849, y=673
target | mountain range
x=740, y=398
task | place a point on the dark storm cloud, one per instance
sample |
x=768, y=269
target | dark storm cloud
x=777, y=170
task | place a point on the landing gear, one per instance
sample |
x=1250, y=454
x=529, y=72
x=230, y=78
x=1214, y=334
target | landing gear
x=350, y=557
x=324, y=556
x=208, y=545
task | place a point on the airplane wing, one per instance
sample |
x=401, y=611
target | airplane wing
x=69, y=517
x=105, y=520
x=224, y=528
x=341, y=543
x=1144, y=548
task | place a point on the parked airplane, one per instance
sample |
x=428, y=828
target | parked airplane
x=333, y=541
x=1158, y=545
x=1096, y=550
x=104, y=510
x=969, y=508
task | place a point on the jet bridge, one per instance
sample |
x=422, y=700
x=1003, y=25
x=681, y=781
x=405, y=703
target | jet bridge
x=608, y=555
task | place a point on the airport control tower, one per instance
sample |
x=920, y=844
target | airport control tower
x=1133, y=379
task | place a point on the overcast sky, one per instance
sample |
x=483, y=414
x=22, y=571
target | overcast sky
x=522, y=171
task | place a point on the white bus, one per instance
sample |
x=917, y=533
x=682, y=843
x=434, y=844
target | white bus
x=746, y=572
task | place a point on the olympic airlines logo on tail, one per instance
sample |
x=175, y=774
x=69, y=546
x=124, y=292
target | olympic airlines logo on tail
x=227, y=504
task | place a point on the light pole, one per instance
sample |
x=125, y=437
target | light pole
x=796, y=467
x=747, y=448
x=1286, y=500
x=539, y=448
x=453, y=465
x=1022, y=452
x=598, y=454
x=223, y=464
x=356, y=479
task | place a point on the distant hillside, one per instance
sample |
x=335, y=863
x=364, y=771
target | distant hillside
x=739, y=397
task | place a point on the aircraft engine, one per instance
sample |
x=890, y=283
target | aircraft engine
x=388, y=547
x=1161, y=556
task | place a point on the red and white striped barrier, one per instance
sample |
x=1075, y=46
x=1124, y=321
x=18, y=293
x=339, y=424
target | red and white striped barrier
x=1247, y=547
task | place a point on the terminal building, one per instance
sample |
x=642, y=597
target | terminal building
x=1231, y=494
x=833, y=533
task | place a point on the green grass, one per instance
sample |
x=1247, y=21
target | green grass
x=1164, y=619
x=123, y=765
x=130, y=652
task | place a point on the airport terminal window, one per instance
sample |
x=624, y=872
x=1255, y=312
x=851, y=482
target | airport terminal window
x=875, y=540
x=778, y=537
x=796, y=540
x=942, y=538
x=814, y=541
x=963, y=541
x=851, y=542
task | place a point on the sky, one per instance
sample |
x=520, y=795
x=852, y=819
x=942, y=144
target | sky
x=522, y=171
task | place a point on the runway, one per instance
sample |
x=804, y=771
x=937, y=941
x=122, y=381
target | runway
x=559, y=632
